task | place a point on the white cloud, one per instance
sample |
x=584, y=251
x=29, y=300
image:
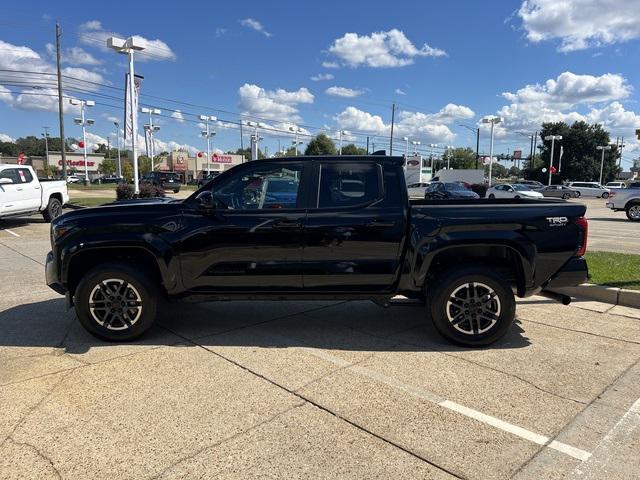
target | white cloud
x=254, y=25
x=277, y=104
x=343, y=92
x=330, y=65
x=380, y=49
x=112, y=119
x=570, y=98
x=581, y=24
x=74, y=56
x=94, y=34
x=6, y=138
x=177, y=115
x=356, y=119
x=400, y=92
x=322, y=76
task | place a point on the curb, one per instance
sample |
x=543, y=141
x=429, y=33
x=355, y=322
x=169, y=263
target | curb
x=599, y=293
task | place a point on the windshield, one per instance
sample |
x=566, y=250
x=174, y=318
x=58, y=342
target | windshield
x=454, y=187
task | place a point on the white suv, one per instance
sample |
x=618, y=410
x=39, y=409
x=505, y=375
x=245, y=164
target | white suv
x=590, y=189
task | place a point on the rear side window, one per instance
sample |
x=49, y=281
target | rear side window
x=25, y=175
x=346, y=185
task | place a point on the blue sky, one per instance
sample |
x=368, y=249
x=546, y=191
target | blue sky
x=335, y=65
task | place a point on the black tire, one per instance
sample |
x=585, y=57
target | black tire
x=53, y=210
x=492, y=196
x=176, y=190
x=633, y=212
x=116, y=328
x=565, y=196
x=494, y=316
x=605, y=195
x=517, y=197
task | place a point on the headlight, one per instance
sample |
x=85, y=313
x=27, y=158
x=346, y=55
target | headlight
x=59, y=231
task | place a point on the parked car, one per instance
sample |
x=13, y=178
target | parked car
x=417, y=190
x=627, y=200
x=515, y=190
x=448, y=190
x=164, y=180
x=590, y=189
x=206, y=178
x=107, y=179
x=634, y=185
x=22, y=193
x=351, y=233
x=532, y=184
x=74, y=179
x=559, y=191
x=616, y=185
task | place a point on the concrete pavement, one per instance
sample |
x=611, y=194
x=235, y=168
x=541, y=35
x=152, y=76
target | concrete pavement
x=309, y=390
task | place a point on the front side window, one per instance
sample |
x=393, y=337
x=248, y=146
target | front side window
x=10, y=173
x=263, y=187
x=346, y=185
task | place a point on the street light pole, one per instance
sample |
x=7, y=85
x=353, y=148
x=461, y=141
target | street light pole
x=553, y=139
x=46, y=144
x=406, y=146
x=475, y=130
x=207, y=133
x=603, y=148
x=493, y=121
x=151, y=128
x=84, y=122
x=297, y=130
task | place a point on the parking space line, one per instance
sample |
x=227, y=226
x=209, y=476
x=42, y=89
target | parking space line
x=523, y=433
x=11, y=232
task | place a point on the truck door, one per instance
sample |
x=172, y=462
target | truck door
x=30, y=190
x=9, y=194
x=353, y=233
x=253, y=240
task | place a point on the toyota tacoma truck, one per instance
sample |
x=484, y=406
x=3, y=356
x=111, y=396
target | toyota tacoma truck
x=317, y=228
x=22, y=193
x=627, y=200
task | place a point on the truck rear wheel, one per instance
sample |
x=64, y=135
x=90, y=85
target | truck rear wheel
x=472, y=306
x=116, y=302
x=53, y=210
x=633, y=212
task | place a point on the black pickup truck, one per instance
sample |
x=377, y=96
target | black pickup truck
x=309, y=228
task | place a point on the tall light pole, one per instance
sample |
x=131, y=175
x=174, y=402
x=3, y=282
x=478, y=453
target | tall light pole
x=603, y=148
x=406, y=146
x=297, y=130
x=127, y=47
x=475, y=130
x=432, y=146
x=117, y=125
x=207, y=133
x=621, y=146
x=46, y=144
x=342, y=132
x=449, y=148
x=151, y=128
x=415, y=144
x=84, y=122
x=553, y=139
x=255, y=138
x=493, y=121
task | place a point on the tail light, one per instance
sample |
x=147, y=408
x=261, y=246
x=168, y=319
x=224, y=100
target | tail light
x=584, y=227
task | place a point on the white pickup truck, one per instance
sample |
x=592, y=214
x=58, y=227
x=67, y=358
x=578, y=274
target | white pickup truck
x=627, y=199
x=21, y=193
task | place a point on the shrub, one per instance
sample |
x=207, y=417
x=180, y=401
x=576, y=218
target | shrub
x=124, y=191
x=479, y=188
x=147, y=190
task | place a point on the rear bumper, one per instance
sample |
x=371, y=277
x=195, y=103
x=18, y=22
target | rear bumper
x=575, y=272
x=51, y=275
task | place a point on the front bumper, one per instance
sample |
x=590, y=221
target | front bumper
x=575, y=272
x=611, y=205
x=51, y=275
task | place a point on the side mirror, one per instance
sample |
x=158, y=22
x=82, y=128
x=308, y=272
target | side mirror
x=206, y=202
x=5, y=181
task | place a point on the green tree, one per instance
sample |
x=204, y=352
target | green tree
x=636, y=165
x=8, y=148
x=460, y=158
x=108, y=166
x=144, y=164
x=497, y=171
x=320, y=145
x=351, y=149
x=580, y=158
x=246, y=153
x=127, y=172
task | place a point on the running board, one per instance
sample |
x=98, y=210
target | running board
x=399, y=301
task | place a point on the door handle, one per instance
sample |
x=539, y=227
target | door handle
x=381, y=224
x=288, y=225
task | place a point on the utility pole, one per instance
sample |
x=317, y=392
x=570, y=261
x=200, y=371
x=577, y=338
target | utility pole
x=46, y=144
x=477, y=146
x=241, y=141
x=393, y=120
x=535, y=146
x=63, y=151
x=367, y=144
x=622, y=145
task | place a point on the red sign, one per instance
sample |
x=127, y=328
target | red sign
x=21, y=159
x=77, y=163
x=553, y=170
x=517, y=154
x=215, y=158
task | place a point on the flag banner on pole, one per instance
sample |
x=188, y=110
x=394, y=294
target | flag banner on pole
x=131, y=116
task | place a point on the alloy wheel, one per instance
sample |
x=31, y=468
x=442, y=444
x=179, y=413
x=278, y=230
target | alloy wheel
x=634, y=212
x=473, y=308
x=115, y=304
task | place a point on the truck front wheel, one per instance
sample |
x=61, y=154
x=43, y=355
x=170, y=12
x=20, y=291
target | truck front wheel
x=633, y=212
x=116, y=302
x=53, y=210
x=472, y=306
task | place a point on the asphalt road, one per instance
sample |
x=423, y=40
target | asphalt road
x=309, y=390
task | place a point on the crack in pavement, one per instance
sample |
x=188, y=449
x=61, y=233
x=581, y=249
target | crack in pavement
x=226, y=439
x=582, y=331
x=38, y=452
